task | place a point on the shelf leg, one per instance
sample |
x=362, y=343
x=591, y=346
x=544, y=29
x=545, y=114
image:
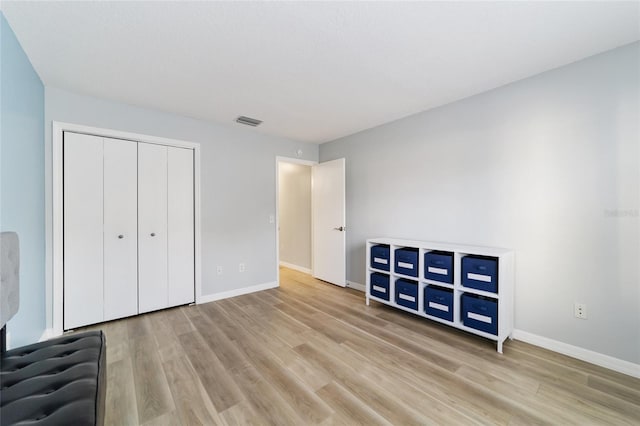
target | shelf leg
x=367, y=297
x=499, y=346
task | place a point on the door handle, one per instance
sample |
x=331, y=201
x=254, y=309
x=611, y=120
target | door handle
x=342, y=228
x=120, y=236
x=153, y=234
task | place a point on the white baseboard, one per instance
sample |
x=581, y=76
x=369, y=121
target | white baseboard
x=237, y=292
x=296, y=267
x=47, y=334
x=357, y=286
x=587, y=355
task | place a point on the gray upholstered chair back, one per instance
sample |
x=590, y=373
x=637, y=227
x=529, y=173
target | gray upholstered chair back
x=9, y=276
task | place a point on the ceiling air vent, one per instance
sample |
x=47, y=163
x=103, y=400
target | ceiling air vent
x=248, y=121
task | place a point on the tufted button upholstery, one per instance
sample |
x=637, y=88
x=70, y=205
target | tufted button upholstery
x=57, y=382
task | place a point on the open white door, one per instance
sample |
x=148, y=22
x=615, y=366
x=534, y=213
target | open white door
x=328, y=212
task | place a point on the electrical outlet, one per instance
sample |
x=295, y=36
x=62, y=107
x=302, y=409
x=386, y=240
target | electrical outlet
x=219, y=269
x=580, y=310
x=241, y=267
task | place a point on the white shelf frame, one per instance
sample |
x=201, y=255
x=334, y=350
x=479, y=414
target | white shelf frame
x=504, y=296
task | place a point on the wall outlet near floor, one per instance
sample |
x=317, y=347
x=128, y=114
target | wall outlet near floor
x=241, y=267
x=219, y=270
x=580, y=310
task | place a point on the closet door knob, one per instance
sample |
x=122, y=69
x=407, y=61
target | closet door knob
x=120, y=236
x=153, y=234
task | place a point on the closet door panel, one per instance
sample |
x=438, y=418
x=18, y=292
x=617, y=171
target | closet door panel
x=152, y=227
x=83, y=226
x=120, y=228
x=180, y=226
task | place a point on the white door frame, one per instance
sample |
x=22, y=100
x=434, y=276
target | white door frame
x=55, y=296
x=293, y=161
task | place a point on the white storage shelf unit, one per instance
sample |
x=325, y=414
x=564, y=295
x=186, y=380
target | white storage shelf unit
x=503, y=296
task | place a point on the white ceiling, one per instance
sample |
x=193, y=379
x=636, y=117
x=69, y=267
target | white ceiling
x=313, y=71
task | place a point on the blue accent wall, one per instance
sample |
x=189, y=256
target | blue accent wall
x=22, y=184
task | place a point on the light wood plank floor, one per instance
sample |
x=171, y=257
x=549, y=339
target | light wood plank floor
x=312, y=353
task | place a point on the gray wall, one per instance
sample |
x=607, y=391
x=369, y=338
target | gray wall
x=238, y=181
x=22, y=180
x=548, y=166
x=294, y=212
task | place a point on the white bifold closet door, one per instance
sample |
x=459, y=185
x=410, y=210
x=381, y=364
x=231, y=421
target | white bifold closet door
x=152, y=227
x=100, y=229
x=120, y=229
x=165, y=227
x=180, y=226
x=128, y=228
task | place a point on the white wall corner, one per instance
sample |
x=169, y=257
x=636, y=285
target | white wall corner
x=296, y=267
x=237, y=292
x=357, y=286
x=606, y=361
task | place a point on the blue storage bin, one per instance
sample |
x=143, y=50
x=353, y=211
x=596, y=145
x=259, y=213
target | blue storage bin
x=480, y=273
x=406, y=261
x=380, y=257
x=438, y=266
x=407, y=293
x=480, y=312
x=380, y=285
x=438, y=302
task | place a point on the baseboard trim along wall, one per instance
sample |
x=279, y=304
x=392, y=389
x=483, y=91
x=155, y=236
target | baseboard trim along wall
x=357, y=286
x=606, y=361
x=296, y=267
x=596, y=358
x=237, y=292
x=47, y=334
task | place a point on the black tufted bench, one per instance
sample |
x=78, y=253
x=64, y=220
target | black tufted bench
x=61, y=381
